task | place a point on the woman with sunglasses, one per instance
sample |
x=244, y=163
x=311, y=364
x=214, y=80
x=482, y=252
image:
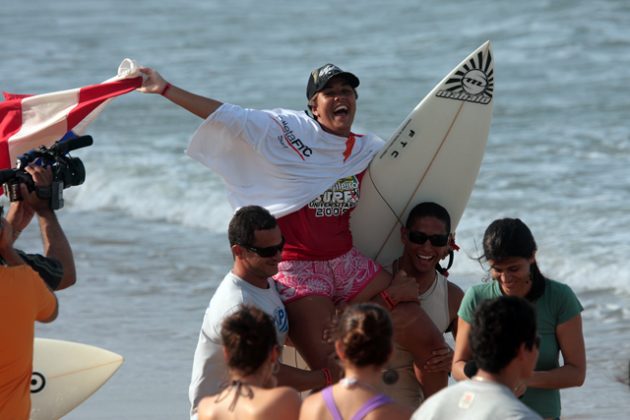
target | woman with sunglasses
x=427, y=240
x=510, y=250
x=363, y=343
x=251, y=352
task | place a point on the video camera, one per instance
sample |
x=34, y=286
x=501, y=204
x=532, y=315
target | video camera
x=67, y=171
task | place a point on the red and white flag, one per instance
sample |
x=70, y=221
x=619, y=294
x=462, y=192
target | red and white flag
x=31, y=121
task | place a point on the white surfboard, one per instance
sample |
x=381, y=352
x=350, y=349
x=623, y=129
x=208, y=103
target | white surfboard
x=65, y=374
x=434, y=155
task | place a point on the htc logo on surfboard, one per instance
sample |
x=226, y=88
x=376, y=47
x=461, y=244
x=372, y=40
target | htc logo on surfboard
x=473, y=82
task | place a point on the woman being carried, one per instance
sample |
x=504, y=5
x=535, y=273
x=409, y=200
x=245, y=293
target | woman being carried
x=306, y=169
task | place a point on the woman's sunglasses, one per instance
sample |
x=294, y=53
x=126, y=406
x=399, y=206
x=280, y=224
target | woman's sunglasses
x=265, y=252
x=420, y=238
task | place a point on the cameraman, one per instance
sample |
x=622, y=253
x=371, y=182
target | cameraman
x=56, y=267
x=24, y=299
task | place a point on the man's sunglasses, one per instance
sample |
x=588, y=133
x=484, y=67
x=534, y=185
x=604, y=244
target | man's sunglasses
x=265, y=252
x=420, y=238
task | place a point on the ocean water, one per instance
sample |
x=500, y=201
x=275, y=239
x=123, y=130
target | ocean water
x=148, y=225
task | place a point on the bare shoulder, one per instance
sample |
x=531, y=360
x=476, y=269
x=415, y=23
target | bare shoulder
x=282, y=403
x=455, y=294
x=312, y=400
x=312, y=407
x=287, y=395
x=207, y=409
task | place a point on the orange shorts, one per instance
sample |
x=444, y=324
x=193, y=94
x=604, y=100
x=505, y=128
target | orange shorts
x=339, y=279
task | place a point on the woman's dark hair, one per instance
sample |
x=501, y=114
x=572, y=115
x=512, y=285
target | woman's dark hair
x=506, y=238
x=365, y=333
x=430, y=209
x=246, y=221
x=248, y=336
x=500, y=326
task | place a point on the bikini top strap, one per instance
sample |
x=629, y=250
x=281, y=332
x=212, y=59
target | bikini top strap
x=330, y=403
x=371, y=405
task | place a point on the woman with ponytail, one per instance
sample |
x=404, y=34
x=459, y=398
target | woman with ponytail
x=251, y=353
x=363, y=343
x=509, y=249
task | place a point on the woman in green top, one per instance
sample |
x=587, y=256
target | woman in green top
x=510, y=250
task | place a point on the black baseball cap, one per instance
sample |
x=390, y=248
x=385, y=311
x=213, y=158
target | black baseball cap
x=322, y=75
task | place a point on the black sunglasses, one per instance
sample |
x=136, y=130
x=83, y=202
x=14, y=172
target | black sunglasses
x=265, y=252
x=420, y=237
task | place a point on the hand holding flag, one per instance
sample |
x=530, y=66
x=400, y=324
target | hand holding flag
x=30, y=121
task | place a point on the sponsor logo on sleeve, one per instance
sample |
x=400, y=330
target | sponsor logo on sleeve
x=289, y=139
x=281, y=319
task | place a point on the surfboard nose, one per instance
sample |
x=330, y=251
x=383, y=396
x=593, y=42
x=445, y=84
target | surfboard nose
x=434, y=155
x=65, y=374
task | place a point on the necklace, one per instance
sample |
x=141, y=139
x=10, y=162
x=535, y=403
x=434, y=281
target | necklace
x=431, y=288
x=348, y=382
x=351, y=382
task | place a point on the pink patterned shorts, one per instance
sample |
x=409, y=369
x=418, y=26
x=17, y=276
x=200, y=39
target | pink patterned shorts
x=340, y=279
